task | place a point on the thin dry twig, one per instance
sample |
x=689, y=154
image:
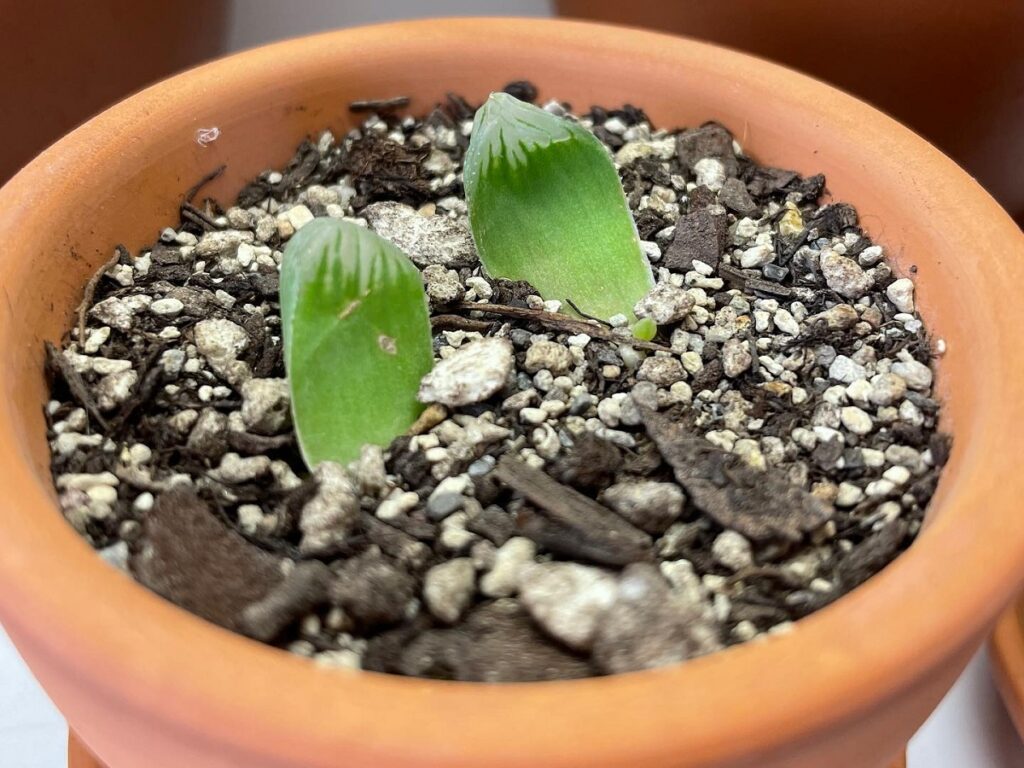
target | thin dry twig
x=559, y=322
x=90, y=289
x=378, y=105
x=197, y=216
x=194, y=189
x=460, y=323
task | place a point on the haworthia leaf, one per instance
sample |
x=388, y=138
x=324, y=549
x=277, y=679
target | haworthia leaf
x=546, y=206
x=356, y=339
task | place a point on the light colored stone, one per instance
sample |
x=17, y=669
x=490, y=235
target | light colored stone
x=220, y=339
x=220, y=342
x=113, y=389
x=859, y=391
x=856, y=420
x=897, y=475
x=732, y=550
x=299, y=216
x=116, y=555
x=691, y=361
x=480, y=286
x=548, y=355
x=474, y=372
x=510, y=560
x=849, y=495
x=665, y=304
x=250, y=518
x=887, y=388
x=95, y=339
x=329, y=516
x=114, y=312
x=68, y=443
x=236, y=469
x=661, y=370
x=265, y=405
x=757, y=256
x=634, y=150
x=840, y=317
x=371, y=471
x=870, y=256
x=791, y=223
x=567, y=599
x=221, y=242
x=652, y=625
x=448, y=589
x=650, y=505
x=749, y=450
x=785, y=322
x=533, y=416
x=880, y=488
x=901, y=294
x=546, y=442
x=86, y=481
x=844, y=276
x=911, y=414
x=397, y=504
x=710, y=173
x=166, y=307
x=845, y=370
x=443, y=285
x=917, y=376
x=736, y=357
x=426, y=239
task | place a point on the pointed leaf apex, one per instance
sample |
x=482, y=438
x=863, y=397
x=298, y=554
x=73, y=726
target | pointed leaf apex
x=508, y=130
x=546, y=206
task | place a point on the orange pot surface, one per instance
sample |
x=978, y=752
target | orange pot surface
x=147, y=685
x=1007, y=651
x=63, y=62
x=79, y=757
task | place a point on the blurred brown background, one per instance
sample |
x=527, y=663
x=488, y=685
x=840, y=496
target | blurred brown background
x=954, y=71
x=61, y=62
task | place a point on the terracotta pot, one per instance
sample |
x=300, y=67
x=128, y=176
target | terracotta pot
x=146, y=684
x=1006, y=649
x=63, y=62
x=952, y=71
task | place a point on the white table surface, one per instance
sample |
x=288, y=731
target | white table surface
x=968, y=730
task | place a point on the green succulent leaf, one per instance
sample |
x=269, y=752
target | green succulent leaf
x=645, y=329
x=546, y=206
x=357, y=339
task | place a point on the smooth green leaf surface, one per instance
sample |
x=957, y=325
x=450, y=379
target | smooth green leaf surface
x=546, y=206
x=645, y=329
x=357, y=339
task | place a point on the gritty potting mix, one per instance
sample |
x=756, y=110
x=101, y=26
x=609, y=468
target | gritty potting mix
x=575, y=498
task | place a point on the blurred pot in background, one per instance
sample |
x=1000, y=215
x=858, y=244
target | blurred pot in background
x=951, y=70
x=63, y=62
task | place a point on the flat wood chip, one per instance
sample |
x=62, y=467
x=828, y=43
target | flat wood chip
x=760, y=505
x=594, y=531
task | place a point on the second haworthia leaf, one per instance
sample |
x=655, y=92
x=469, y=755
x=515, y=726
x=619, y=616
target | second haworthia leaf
x=357, y=339
x=546, y=206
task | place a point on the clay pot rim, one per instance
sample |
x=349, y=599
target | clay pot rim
x=875, y=639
